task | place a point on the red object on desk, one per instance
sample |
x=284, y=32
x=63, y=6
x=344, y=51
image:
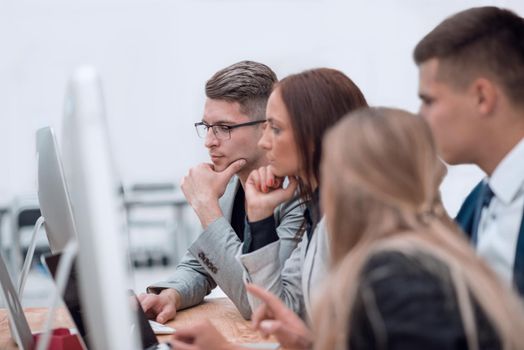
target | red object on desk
x=61, y=339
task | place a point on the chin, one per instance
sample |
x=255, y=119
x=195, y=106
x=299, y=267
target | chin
x=277, y=172
x=219, y=166
x=451, y=158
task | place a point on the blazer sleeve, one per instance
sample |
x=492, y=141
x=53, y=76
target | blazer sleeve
x=190, y=280
x=263, y=267
x=213, y=261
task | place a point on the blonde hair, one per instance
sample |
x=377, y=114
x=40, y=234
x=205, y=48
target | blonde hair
x=380, y=180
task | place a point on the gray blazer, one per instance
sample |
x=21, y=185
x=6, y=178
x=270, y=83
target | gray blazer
x=295, y=283
x=211, y=259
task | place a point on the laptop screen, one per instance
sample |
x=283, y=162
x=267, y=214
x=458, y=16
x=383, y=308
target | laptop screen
x=72, y=300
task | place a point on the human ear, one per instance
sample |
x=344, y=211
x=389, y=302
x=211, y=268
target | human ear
x=486, y=94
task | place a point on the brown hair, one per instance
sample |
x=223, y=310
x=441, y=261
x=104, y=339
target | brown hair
x=315, y=100
x=384, y=197
x=248, y=83
x=483, y=41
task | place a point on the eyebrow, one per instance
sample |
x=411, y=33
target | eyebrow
x=219, y=122
x=273, y=120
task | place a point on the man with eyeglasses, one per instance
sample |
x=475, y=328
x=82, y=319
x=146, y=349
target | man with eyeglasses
x=234, y=115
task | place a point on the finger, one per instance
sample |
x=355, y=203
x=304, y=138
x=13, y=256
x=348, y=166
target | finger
x=232, y=169
x=263, y=179
x=270, y=327
x=141, y=297
x=148, y=302
x=276, y=181
x=258, y=316
x=285, y=194
x=274, y=304
x=255, y=180
x=211, y=166
x=166, y=314
x=186, y=333
x=270, y=178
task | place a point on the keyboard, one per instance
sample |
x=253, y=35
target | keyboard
x=161, y=329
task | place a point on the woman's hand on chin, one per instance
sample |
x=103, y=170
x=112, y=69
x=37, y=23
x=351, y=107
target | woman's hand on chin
x=264, y=192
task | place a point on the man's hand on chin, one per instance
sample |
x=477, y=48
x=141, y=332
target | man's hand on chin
x=203, y=186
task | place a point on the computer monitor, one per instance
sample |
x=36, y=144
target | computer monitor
x=53, y=194
x=99, y=216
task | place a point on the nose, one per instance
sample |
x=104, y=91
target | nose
x=422, y=111
x=211, y=140
x=265, y=140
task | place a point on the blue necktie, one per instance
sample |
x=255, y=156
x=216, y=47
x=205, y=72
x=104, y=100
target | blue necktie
x=483, y=201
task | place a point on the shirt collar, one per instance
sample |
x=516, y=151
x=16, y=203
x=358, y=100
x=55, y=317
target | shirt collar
x=508, y=177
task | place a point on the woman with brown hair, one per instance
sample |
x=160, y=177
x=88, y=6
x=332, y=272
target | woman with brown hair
x=299, y=111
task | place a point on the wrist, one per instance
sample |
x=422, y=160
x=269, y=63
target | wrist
x=207, y=212
x=257, y=213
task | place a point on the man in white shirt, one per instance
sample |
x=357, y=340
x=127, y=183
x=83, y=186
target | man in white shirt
x=471, y=85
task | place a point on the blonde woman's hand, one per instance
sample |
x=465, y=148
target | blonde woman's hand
x=202, y=336
x=274, y=318
x=264, y=192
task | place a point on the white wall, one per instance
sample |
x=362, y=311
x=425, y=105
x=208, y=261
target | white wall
x=155, y=56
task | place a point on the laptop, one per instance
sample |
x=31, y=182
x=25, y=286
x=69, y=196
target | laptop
x=73, y=303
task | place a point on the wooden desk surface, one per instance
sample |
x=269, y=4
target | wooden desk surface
x=221, y=312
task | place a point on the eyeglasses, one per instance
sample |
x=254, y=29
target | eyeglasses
x=221, y=131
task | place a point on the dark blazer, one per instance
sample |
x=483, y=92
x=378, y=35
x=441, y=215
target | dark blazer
x=466, y=220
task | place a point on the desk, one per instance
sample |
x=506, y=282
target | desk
x=221, y=312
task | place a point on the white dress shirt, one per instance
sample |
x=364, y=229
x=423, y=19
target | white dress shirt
x=500, y=222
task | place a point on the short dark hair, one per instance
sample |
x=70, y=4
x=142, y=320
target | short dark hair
x=315, y=100
x=248, y=83
x=480, y=41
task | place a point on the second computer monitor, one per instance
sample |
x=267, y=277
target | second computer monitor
x=53, y=193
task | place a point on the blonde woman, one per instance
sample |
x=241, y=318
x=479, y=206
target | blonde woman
x=404, y=277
